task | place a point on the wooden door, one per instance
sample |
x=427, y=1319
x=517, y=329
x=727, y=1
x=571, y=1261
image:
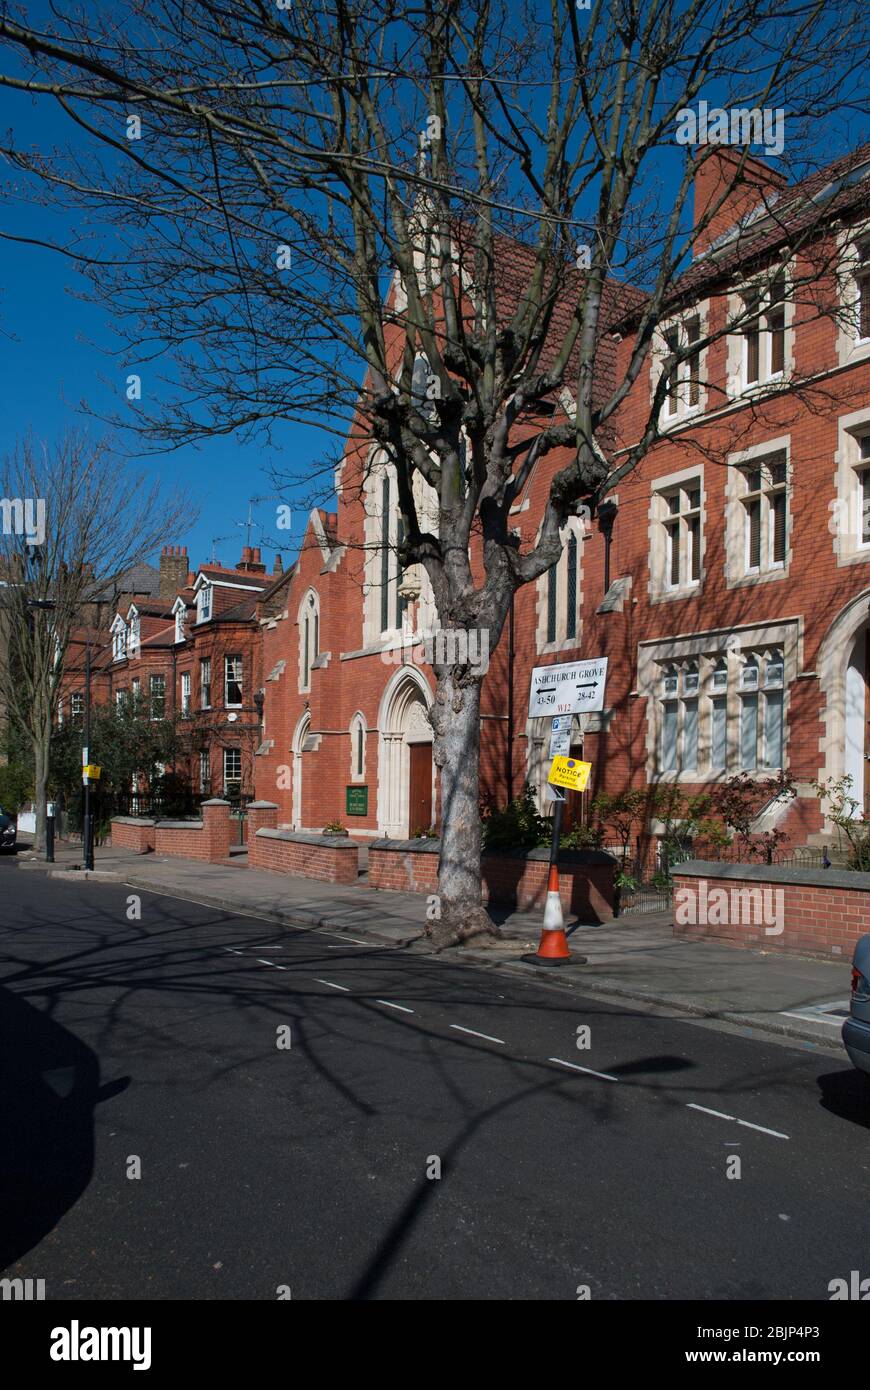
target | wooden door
x=420, y=789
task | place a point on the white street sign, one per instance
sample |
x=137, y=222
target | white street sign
x=562, y=724
x=560, y=745
x=574, y=687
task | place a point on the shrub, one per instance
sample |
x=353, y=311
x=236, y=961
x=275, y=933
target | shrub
x=517, y=826
x=334, y=827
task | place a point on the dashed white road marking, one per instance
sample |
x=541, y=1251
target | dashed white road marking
x=355, y=939
x=604, y=1075
x=763, y=1130
x=388, y=1003
x=732, y=1119
x=332, y=985
x=260, y=961
x=475, y=1034
x=720, y=1115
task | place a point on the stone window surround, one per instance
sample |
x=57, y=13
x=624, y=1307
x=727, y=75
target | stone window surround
x=658, y=356
x=850, y=347
x=848, y=547
x=357, y=722
x=735, y=515
x=785, y=634
x=374, y=638
x=562, y=644
x=736, y=385
x=305, y=607
x=657, y=587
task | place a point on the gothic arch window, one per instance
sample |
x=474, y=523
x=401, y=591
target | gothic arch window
x=309, y=637
x=358, y=748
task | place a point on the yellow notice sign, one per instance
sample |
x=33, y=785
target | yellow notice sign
x=570, y=773
x=92, y=772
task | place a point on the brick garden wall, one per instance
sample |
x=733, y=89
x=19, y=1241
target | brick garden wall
x=329, y=858
x=128, y=832
x=208, y=840
x=520, y=881
x=822, y=911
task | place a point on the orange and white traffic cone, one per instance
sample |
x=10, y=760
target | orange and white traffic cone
x=553, y=946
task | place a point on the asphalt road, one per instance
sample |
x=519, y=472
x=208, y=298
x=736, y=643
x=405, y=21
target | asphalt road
x=309, y=1168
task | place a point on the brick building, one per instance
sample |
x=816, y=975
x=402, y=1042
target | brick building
x=188, y=648
x=735, y=612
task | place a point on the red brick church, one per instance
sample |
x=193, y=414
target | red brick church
x=727, y=587
x=725, y=583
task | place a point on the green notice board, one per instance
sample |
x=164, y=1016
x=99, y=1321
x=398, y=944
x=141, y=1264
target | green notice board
x=356, y=801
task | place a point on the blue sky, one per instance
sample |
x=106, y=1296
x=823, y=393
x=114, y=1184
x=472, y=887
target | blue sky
x=56, y=355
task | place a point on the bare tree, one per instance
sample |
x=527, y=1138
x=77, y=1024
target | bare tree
x=74, y=523
x=308, y=201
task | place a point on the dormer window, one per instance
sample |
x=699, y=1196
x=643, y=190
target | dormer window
x=203, y=604
x=681, y=365
x=764, y=333
x=135, y=630
x=180, y=620
x=119, y=640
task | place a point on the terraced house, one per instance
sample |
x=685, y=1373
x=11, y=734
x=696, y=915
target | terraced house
x=726, y=580
x=190, y=652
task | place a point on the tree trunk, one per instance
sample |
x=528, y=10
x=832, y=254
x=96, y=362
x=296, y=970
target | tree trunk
x=456, y=721
x=40, y=786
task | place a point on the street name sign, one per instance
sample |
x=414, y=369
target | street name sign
x=570, y=773
x=573, y=687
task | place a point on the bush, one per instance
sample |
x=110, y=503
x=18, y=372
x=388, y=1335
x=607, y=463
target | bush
x=583, y=837
x=16, y=787
x=334, y=827
x=517, y=826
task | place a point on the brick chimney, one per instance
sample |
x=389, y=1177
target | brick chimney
x=714, y=173
x=278, y=567
x=250, y=561
x=173, y=570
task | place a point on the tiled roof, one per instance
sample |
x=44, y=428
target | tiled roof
x=217, y=572
x=777, y=219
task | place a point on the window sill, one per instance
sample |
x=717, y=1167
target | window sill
x=673, y=595
x=749, y=581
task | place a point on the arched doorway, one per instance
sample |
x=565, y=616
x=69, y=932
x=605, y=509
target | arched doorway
x=844, y=682
x=406, y=775
x=298, y=747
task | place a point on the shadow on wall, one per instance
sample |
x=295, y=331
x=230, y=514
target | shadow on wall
x=49, y=1086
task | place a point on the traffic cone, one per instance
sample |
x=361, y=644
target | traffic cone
x=553, y=946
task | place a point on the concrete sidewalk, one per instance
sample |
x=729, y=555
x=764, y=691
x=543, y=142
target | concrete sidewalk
x=634, y=958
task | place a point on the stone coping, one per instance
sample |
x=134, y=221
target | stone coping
x=567, y=857
x=302, y=837
x=142, y=821
x=774, y=873
x=179, y=825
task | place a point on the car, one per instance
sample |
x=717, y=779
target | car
x=856, y=1029
x=8, y=830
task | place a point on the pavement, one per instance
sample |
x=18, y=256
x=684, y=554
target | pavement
x=201, y=1105
x=636, y=957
